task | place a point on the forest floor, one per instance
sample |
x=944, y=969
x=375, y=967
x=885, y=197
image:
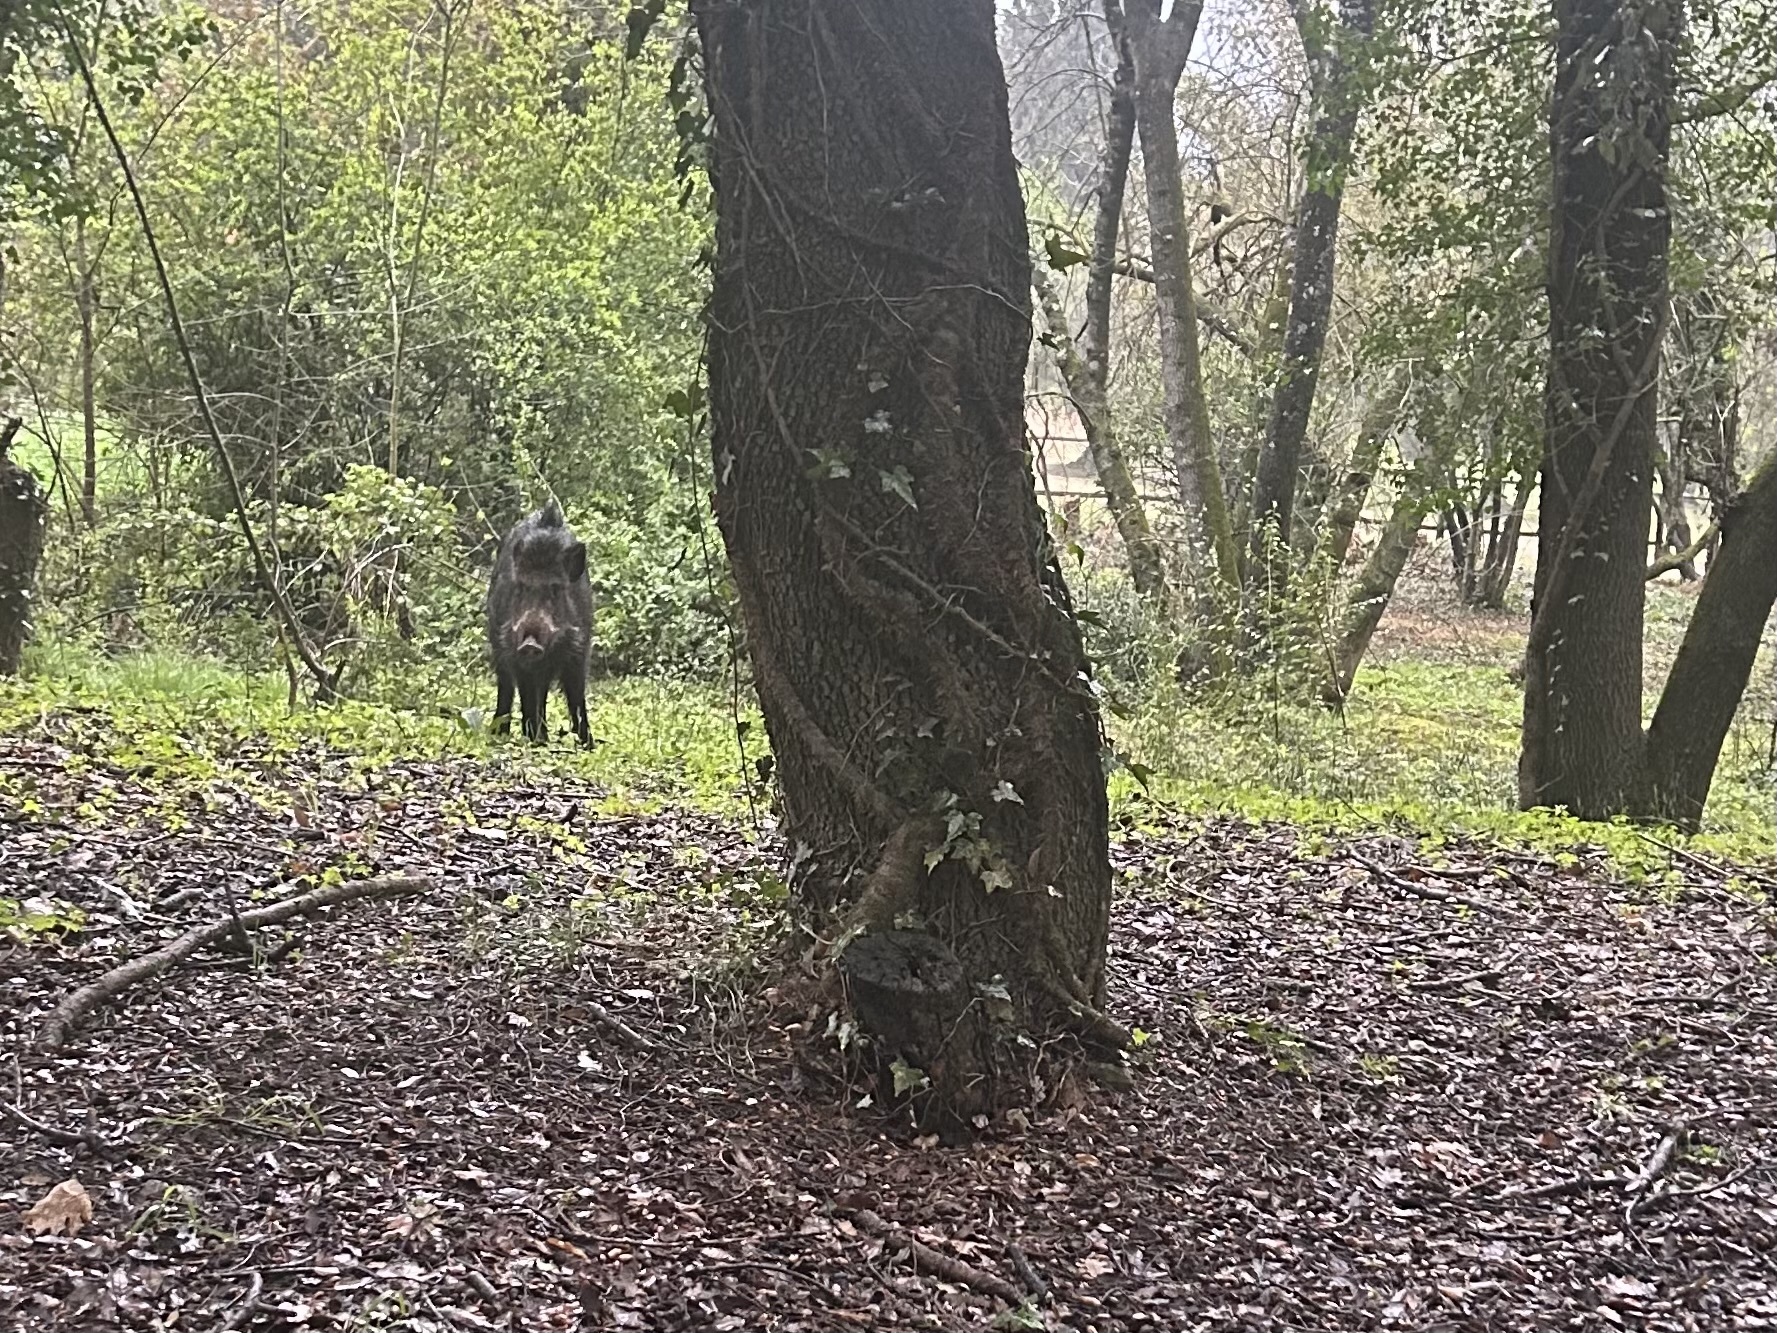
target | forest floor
x=1386, y=1083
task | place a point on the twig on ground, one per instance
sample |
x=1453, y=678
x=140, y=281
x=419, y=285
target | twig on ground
x=1456, y=982
x=1033, y=1282
x=244, y=1311
x=606, y=1019
x=73, y=1010
x=1658, y=1164
x=65, y=1138
x=943, y=1266
x=1429, y=892
x=1560, y=1188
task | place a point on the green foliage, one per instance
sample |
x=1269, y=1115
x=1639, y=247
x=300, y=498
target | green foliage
x=182, y=723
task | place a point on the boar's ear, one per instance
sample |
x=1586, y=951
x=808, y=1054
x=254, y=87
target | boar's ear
x=575, y=562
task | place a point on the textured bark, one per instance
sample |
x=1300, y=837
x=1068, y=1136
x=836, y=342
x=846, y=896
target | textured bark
x=1610, y=234
x=1369, y=596
x=1159, y=49
x=917, y=660
x=1085, y=368
x=1716, y=658
x=1347, y=506
x=1336, y=97
x=24, y=512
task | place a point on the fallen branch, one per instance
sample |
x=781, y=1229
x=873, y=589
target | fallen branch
x=72, y=1011
x=1489, y=974
x=1426, y=891
x=605, y=1018
x=244, y=1311
x=943, y=1266
x=65, y=1138
x=1559, y=1188
x=1657, y=1165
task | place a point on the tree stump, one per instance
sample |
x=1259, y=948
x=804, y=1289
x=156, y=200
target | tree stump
x=910, y=993
x=24, y=512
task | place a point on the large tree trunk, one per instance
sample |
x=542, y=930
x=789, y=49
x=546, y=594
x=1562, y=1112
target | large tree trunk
x=1610, y=232
x=1086, y=368
x=1337, y=98
x=1160, y=48
x=1715, y=660
x=918, y=663
x=24, y=512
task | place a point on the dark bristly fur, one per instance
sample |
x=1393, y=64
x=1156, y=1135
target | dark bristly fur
x=539, y=622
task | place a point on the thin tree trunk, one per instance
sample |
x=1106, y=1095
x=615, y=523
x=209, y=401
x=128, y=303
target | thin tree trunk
x=84, y=301
x=1380, y=416
x=24, y=515
x=1369, y=596
x=1337, y=98
x=920, y=671
x=1146, y=570
x=1716, y=658
x=1675, y=523
x=1160, y=48
x=1502, y=555
x=1582, y=744
x=1086, y=368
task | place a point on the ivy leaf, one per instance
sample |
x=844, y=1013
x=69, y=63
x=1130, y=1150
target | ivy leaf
x=900, y=481
x=1061, y=255
x=641, y=21
x=907, y=1078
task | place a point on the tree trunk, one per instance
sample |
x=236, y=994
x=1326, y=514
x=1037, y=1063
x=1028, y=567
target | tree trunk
x=24, y=514
x=1146, y=570
x=1159, y=49
x=1502, y=554
x=1675, y=522
x=1369, y=596
x=1380, y=415
x=1337, y=97
x=1715, y=660
x=1086, y=369
x=917, y=660
x=1610, y=234
x=84, y=301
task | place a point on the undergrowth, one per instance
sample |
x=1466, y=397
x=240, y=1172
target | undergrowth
x=1427, y=748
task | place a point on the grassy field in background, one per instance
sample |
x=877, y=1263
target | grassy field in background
x=1427, y=743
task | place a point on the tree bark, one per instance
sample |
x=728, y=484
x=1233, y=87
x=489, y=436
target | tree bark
x=1380, y=415
x=1086, y=368
x=917, y=659
x=1610, y=234
x=1337, y=99
x=1675, y=522
x=24, y=515
x=1715, y=660
x=1502, y=554
x=1159, y=48
x=1091, y=400
x=84, y=301
x=1369, y=596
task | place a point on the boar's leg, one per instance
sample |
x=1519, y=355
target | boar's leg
x=502, y=724
x=533, y=699
x=573, y=687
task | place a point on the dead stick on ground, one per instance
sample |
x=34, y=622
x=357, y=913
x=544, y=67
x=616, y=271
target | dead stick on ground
x=606, y=1018
x=1656, y=1165
x=72, y=1011
x=244, y=1310
x=1426, y=891
x=66, y=1138
x=940, y=1265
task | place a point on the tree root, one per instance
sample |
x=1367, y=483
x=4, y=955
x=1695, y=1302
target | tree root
x=73, y=1010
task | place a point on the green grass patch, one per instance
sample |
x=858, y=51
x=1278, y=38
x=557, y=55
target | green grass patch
x=181, y=719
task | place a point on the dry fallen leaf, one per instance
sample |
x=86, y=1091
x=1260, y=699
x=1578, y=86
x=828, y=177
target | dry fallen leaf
x=63, y=1211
